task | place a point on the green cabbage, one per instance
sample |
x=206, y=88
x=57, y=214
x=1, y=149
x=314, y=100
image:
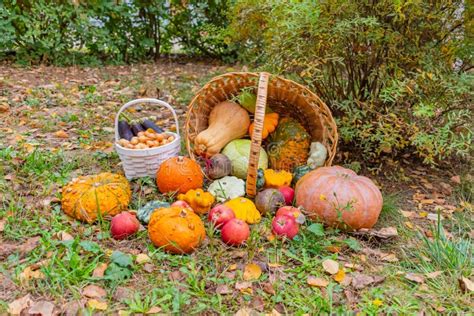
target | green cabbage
x=238, y=152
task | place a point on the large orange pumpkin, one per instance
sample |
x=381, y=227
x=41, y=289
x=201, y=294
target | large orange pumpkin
x=176, y=229
x=339, y=197
x=179, y=174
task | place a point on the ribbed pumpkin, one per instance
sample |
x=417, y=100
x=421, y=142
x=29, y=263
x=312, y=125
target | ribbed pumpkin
x=179, y=174
x=178, y=230
x=339, y=197
x=88, y=197
x=288, y=145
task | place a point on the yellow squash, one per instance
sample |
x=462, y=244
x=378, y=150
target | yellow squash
x=199, y=200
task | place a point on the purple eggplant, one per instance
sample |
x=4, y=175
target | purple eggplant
x=124, y=130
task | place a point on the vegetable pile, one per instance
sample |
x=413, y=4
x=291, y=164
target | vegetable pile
x=293, y=186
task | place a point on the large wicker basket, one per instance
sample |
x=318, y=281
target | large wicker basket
x=288, y=98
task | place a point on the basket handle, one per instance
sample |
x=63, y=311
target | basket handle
x=256, y=136
x=145, y=100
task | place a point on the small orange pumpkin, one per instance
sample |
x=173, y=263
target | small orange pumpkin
x=177, y=230
x=179, y=174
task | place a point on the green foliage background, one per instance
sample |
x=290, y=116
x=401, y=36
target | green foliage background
x=87, y=32
x=396, y=73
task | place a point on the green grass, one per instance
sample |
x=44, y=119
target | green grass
x=39, y=175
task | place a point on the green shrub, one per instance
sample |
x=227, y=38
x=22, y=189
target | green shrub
x=395, y=73
x=72, y=32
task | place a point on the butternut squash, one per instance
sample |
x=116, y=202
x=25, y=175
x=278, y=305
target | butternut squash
x=227, y=121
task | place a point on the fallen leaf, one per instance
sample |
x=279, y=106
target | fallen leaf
x=408, y=214
x=223, y=289
x=142, y=258
x=409, y=225
x=4, y=107
x=360, y=281
x=2, y=224
x=96, y=304
x=100, y=270
x=175, y=275
x=330, y=266
x=433, y=275
x=252, y=271
x=43, y=308
x=17, y=306
x=456, y=179
x=434, y=217
x=384, y=233
x=154, y=310
x=466, y=285
x=232, y=267
x=243, y=286
x=61, y=134
x=315, y=281
x=415, y=277
x=268, y=288
x=28, y=273
x=339, y=276
x=389, y=257
x=149, y=267
x=244, y=312
x=65, y=236
x=257, y=303
x=93, y=291
x=122, y=293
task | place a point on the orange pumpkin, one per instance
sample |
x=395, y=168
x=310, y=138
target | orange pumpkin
x=179, y=174
x=178, y=230
x=339, y=197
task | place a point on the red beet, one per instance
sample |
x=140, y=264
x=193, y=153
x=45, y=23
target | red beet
x=284, y=225
x=123, y=225
x=288, y=193
x=220, y=214
x=235, y=232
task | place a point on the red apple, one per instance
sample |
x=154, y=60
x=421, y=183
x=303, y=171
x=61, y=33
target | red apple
x=182, y=204
x=220, y=214
x=235, y=232
x=123, y=225
x=284, y=225
x=292, y=211
x=288, y=193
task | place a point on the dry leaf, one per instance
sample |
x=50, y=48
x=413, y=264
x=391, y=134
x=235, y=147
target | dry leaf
x=456, y=179
x=433, y=275
x=15, y=307
x=232, y=267
x=258, y=303
x=100, y=270
x=360, y=281
x=330, y=266
x=408, y=214
x=28, y=273
x=315, y=281
x=243, y=286
x=390, y=257
x=61, y=134
x=223, y=289
x=96, y=304
x=466, y=285
x=339, y=276
x=142, y=258
x=65, y=236
x=148, y=267
x=415, y=277
x=93, y=291
x=2, y=224
x=268, y=288
x=244, y=312
x=43, y=308
x=154, y=310
x=252, y=271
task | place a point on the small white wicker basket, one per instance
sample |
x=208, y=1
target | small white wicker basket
x=145, y=162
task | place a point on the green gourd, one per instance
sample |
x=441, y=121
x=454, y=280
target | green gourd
x=144, y=212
